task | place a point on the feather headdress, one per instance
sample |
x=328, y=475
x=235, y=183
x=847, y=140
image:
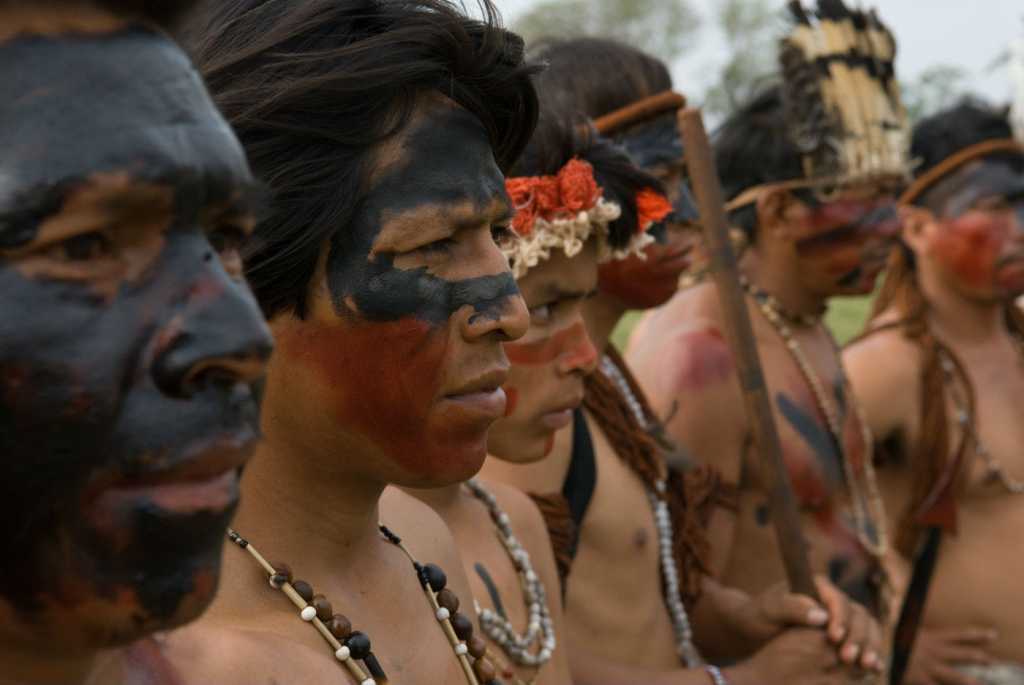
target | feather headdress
x=841, y=99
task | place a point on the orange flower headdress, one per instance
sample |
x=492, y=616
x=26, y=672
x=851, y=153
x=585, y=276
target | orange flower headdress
x=564, y=210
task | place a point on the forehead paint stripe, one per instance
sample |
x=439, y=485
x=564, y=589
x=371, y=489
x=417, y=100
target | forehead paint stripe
x=446, y=158
x=653, y=143
x=571, y=340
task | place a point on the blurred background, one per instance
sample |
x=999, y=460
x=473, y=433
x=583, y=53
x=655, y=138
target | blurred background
x=720, y=50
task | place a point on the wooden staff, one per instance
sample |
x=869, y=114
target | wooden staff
x=740, y=334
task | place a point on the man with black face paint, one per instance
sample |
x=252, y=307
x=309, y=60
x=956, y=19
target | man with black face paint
x=811, y=177
x=382, y=130
x=941, y=374
x=129, y=344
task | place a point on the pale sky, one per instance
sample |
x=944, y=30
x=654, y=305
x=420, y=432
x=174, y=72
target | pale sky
x=967, y=34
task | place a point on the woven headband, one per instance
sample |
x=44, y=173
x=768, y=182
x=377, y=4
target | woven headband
x=954, y=162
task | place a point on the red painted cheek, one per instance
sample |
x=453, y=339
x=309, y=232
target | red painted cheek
x=570, y=347
x=383, y=380
x=970, y=246
x=703, y=359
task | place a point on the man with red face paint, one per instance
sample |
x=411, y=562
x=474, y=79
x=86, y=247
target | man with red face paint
x=811, y=173
x=129, y=343
x=382, y=130
x=941, y=374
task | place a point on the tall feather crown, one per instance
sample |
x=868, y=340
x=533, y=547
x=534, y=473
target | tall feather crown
x=841, y=97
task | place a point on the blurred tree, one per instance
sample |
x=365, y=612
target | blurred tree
x=665, y=28
x=751, y=29
x=937, y=87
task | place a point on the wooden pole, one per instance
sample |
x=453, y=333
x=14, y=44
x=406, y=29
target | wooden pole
x=740, y=334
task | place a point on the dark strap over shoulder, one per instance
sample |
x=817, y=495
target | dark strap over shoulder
x=581, y=479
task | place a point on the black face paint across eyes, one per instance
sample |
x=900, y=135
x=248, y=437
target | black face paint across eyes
x=657, y=143
x=959, y=192
x=447, y=160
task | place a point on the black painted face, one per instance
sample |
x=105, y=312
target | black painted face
x=657, y=147
x=406, y=358
x=128, y=343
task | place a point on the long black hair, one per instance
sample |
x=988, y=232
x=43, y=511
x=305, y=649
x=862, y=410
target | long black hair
x=313, y=86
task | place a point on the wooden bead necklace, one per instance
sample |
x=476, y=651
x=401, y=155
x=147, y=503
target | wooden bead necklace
x=868, y=508
x=351, y=647
x=535, y=647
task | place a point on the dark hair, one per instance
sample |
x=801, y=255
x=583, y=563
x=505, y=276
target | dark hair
x=595, y=76
x=752, y=148
x=967, y=123
x=313, y=86
x=559, y=137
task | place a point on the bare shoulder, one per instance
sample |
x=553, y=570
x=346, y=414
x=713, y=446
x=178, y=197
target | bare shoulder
x=885, y=356
x=231, y=655
x=683, y=349
x=422, y=530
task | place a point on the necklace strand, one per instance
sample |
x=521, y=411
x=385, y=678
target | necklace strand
x=535, y=647
x=686, y=650
x=993, y=467
x=868, y=508
x=352, y=646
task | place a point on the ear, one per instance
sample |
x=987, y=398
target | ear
x=915, y=223
x=778, y=211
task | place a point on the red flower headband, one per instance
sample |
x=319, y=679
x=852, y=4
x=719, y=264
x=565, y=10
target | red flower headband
x=571, y=191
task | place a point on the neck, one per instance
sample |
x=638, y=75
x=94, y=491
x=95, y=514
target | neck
x=956, y=317
x=775, y=276
x=441, y=500
x=602, y=314
x=308, y=510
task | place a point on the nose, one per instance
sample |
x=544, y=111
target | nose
x=498, y=307
x=217, y=336
x=579, y=355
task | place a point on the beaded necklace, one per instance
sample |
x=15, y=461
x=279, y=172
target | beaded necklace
x=687, y=651
x=351, y=647
x=535, y=647
x=868, y=508
x=791, y=318
x=994, y=469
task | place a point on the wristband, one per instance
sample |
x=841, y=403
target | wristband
x=716, y=675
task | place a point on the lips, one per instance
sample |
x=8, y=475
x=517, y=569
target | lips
x=561, y=416
x=483, y=397
x=203, y=478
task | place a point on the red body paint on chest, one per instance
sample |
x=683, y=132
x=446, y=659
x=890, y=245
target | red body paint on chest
x=384, y=381
x=703, y=359
x=570, y=346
